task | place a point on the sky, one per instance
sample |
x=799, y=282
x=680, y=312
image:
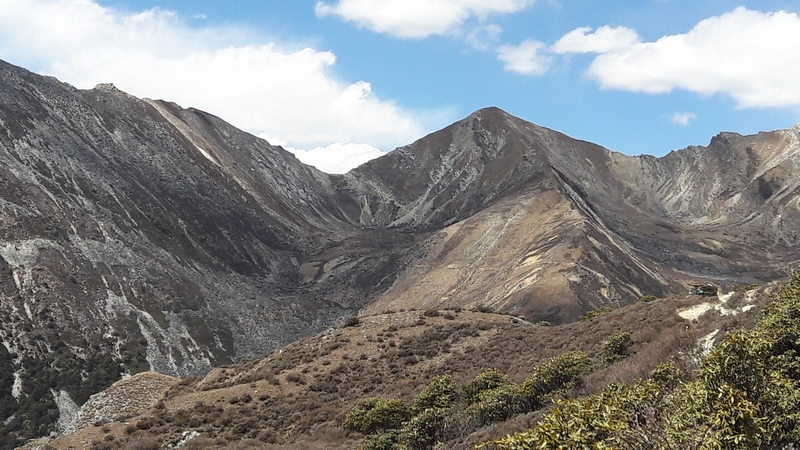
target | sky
x=339, y=82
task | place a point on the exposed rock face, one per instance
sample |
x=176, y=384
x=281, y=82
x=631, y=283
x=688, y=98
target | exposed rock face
x=526, y=219
x=138, y=235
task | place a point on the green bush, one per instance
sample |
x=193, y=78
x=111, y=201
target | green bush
x=498, y=404
x=420, y=432
x=556, y=377
x=745, y=395
x=617, y=347
x=595, y=313
x=488, y=380
x=667, y=374
x=372, y=415
x=648, y=298
x=440, y=393
x=382, y=441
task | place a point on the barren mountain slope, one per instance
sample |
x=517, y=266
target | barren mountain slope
x=535, y=222
x=136, y=235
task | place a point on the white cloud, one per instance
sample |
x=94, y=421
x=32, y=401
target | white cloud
x=484, y=37
x=527, y=58
x=337, y=157
x=416, y=19
x=752, y=56
x=683, y=118
x=233, y=72
x=602, y=40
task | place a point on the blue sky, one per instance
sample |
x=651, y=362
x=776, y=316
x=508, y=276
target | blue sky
x=338, y=80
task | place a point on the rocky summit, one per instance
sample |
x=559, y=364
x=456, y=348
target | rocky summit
x=137, y=235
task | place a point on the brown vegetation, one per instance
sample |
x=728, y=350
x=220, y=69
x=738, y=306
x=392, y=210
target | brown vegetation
x=299, y=396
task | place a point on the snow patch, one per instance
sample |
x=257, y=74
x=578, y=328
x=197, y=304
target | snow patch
x=693, y=312
x=725, y=297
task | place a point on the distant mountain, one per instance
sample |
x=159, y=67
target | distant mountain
x=137, y=235
x=528, y=220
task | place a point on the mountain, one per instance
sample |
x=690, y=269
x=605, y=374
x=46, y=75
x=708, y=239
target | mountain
x=137, y=235
x=528, y=220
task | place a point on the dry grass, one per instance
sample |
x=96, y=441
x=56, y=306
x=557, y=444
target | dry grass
x=298, y=396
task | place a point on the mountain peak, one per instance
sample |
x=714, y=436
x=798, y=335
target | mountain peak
x=140, y=235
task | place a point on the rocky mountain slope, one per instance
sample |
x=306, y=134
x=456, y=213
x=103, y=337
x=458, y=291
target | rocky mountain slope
x=138, y=235
x=528, y=220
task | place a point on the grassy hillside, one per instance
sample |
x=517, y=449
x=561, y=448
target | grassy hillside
x=457, y=379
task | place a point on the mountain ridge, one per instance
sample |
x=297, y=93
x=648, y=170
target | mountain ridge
x=139, y=235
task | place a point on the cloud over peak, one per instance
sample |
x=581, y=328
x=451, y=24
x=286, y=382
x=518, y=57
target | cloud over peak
x=528, y=58
x=257, y=84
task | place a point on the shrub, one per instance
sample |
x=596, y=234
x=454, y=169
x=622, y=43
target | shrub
x=595, y=313
x=352, y=321
x=608, y=420
x=440, y=393
x=746, y=394
x=616, y=347
x=556, y=377
x=371, y=415
x=498, y=404
x=421, y=431
x=667, y=374
x=488, y=380
x=382, y=441
x=648, y=298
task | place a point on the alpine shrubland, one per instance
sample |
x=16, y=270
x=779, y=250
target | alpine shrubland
x=744, y=395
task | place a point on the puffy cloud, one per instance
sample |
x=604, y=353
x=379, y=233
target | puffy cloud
x=602, y=40
x=527, y=58
x=683, y=118
x=337, y=157
x=416, y=19
x=752, y=56
x=288, y=91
